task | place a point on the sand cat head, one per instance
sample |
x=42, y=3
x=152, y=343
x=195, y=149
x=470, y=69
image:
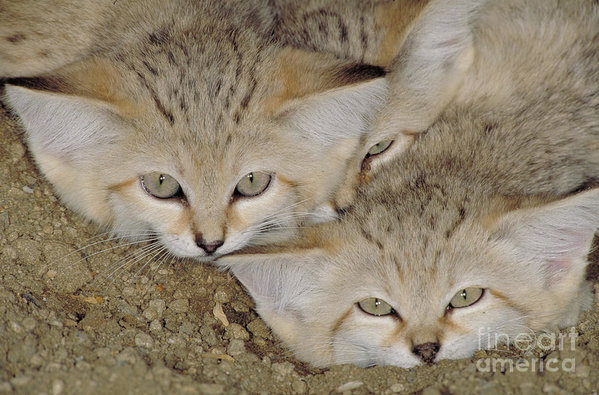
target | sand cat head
x=392, y=289
x=210, y=145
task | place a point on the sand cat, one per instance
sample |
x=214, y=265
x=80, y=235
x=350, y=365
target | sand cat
x=194, y=127
x=483, y=226
x=366, y=32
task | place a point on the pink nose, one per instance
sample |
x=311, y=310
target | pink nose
x=209, y=247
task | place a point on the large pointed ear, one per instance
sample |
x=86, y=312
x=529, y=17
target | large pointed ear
x=554, y=239
x=73, y=113
x=324, y=99
x=280, y=283
x=430, y=66
x=68, y=128
x=275, y=277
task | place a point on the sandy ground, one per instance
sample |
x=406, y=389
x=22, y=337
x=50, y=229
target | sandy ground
x=188, y=328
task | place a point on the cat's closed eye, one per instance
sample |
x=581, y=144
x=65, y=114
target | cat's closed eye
x=465, y=297
x=160, y=185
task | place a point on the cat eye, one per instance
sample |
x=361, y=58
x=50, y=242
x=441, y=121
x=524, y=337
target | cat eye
x=466, y=297
x=160, y=185
x=379, y=148
x=253, y=184
x=376, y=307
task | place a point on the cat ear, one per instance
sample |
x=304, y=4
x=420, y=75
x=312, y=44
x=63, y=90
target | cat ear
x=554, y=239
x=430, y=67
x=67, y=128
x=323, y=99
x=282, y=285
x=274, y=278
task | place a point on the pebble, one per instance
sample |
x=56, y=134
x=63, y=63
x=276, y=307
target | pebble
x=27, y=189
x=259, y=328
x=236, y=347
x=351, y=385
x=20, y=381
x=155, y=326
x=431, y=391
x=16, y=328
x=221, y=296
x=57, y=387
x=550, y=388
x=299, y=387
x=236, y=331
x=144, y=340
x=179, y=306
x=158, y=305
x=5, y=387
x=282, y=368
x=583, y=371
x=16, y=151
x=397, y=387
x=211, y=389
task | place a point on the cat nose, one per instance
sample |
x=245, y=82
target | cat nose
x=427, y=351
x=209, y=247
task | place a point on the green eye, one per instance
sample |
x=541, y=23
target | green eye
x=379, y=148
x=253, y=184
x=160, y=185
x=376, y=306
x=466, y=297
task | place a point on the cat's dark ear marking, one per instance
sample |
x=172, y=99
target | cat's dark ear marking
x=358, y=72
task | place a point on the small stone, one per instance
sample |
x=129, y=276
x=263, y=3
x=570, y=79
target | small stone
x=259, y=328
x=16, y=328
x=431, y=391
x=4, y=221
x=282, y=368
x=158, y=305
x=27, y=189
x=16, y=151
x=36, y=361
x=144, y=340
x=5, y=387
x=397, y=387
x=29, y=323
x=351, y=385
x=236, y=331
x=236, y=347
x=20, y=381
x=583, y=371
x=155, y=326
x=179, y=306
x=549, y=388
x=221, y=296
x=299, y=387
x=239, y=307
x=57, y=387
x=211, y=389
